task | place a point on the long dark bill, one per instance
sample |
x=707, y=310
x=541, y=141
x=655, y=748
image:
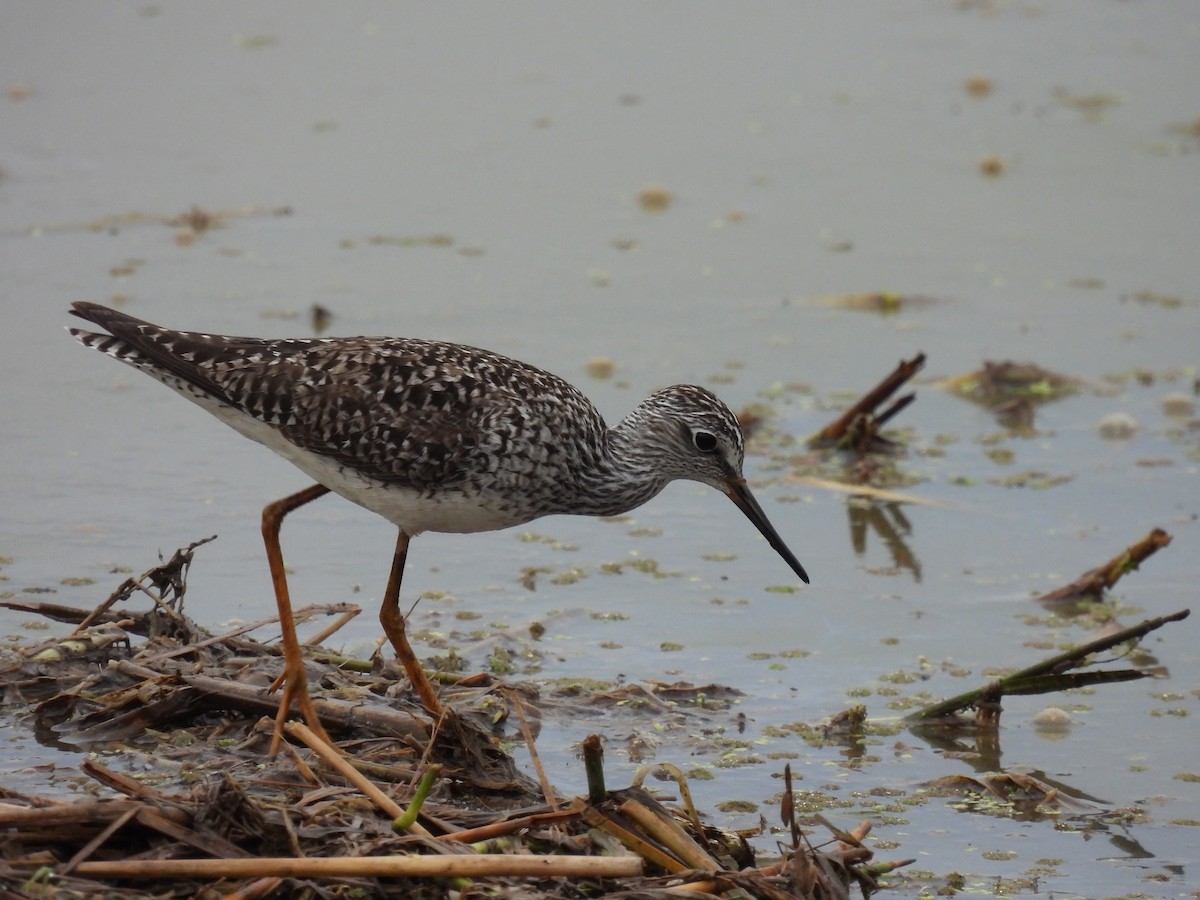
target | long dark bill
x=739, y=492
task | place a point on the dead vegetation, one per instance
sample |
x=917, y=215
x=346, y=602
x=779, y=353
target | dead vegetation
x=1012, y=391
x=401, y=806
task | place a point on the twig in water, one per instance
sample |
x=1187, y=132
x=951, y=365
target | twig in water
x=1094, y=582
x=858, y=428
x=1049, y=675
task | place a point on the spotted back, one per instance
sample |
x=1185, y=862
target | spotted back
x=421, y=414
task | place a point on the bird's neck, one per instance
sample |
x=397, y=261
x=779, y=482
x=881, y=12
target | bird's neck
x=621, y=474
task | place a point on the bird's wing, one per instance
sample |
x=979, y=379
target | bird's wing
x=391, y=412
x=404, y=411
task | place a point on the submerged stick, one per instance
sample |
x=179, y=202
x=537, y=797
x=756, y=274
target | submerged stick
x=871, y=493
x=1094, y=582
x=1045, y=674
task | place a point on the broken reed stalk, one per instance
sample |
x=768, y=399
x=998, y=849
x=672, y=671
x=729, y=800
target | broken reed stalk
x=667, y=832
x=331, y=629
x=508, y=826
x=685, y=790
x=90, y=847
x=846, y=425
x=1094, y=582
x=333, y=758
x=547, y=788
x=132, y=787
x=1043, y=675
x=807, y=872
x=87, y=811
x=593, y=766
x=644, y=848
x=469, y=865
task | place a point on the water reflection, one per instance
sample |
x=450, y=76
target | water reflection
x=1029, y=795
x=890, y=524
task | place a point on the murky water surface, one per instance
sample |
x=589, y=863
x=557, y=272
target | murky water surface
x=473, y=174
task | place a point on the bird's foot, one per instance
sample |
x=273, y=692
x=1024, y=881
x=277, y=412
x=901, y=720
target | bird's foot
x=295, y=687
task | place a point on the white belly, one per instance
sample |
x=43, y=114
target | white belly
x=413, y=511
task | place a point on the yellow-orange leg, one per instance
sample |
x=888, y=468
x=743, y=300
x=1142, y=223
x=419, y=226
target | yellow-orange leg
x=295, y=682
x=392, y=621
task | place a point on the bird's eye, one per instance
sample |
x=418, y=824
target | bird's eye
x=705, y=441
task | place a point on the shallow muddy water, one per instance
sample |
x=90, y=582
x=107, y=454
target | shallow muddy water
x=473, y=173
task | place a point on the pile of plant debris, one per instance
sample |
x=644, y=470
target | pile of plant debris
x=400, y=806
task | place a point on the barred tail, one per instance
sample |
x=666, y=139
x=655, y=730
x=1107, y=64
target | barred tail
x=113, y=346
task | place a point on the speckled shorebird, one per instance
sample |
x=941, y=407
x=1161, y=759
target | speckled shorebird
x=433, y=437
